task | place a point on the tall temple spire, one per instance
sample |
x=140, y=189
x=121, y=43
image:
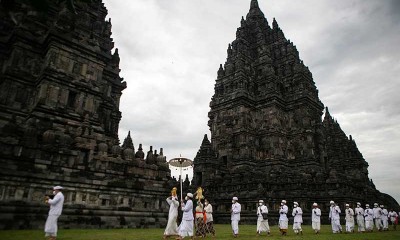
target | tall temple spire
x=260, y=117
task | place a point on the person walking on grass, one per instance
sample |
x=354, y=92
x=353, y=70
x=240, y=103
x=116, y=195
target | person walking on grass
x=385, y=218
x=200, y=220
x=235, y=216
x=360, y=218
x=369, y=218
x=56, y=207
x=393, y=218
x=283, y=219
x=262, y=218
x=172, y=227
x=316, y=218
x=334, y=216
x=378, y=217
x=297, y=213
x=209, y=218
x=349, y=219
x=186, y=227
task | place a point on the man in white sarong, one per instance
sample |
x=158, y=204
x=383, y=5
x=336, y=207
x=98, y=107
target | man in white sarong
x=334, y=216
x=56, y=206
x=262, y=219
x=349, y=219
x=235, y=216
x=385, y=218
x=369, y=218
x=393, y=218
x=377, y=217
x=297, y=213
x=283, y=219
x=360, y=217
x=186, y=227
x=172, y=227
x=316, y=218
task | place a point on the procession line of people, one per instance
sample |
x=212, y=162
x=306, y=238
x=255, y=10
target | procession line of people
x=365, y=219
x=202, y=217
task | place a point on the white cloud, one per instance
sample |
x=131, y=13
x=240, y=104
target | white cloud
x=171, y=50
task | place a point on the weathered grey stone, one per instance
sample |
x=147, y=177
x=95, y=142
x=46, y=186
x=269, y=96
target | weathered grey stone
x=268, y=139
x=59, y=99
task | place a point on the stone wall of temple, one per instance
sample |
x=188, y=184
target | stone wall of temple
x=59, y=99
x=268, y=138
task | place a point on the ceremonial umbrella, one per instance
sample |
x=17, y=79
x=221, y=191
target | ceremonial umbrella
x=180, y=162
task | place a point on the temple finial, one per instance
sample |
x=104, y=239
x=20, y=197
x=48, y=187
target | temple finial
x=275, y=24
x=255, y=12
x=253, y=4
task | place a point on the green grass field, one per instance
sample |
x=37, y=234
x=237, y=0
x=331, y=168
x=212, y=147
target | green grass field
x=222, y=231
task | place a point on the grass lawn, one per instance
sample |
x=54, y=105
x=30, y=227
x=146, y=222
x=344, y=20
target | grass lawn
x=223, y=232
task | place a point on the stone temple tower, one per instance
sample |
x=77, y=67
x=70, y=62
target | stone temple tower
x=268, y=140
x=59, y=114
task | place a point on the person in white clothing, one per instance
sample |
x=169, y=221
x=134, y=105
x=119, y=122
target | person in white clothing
x=186, y=226
x=316, y=218
x=377, y=217
x=349, y=219
x=334, y=216
x=393, y=218
x=369, y=218
x=297, y=213
x=262, y=219
x=172, y=227
x=209, y=218
x=283, y=219
x=235, y=216
x=56, y=207
x=360, y=217
x=385, y=218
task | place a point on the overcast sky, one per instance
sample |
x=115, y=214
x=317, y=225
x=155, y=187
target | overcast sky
x=171, y=50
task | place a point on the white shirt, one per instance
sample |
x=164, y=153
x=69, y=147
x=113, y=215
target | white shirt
x=56, y=204
x=297, y=214
x=261, y=209
x=208, y=210
x=316, y=215
x=392, y=216
x=236, y=208
x=173, y=206
x=349, y=214
x=282, y=213
x=377, y=212
x=334, y=213
x=359, y=211
x=187, y=210
x=369, y=214
x=384, y=214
